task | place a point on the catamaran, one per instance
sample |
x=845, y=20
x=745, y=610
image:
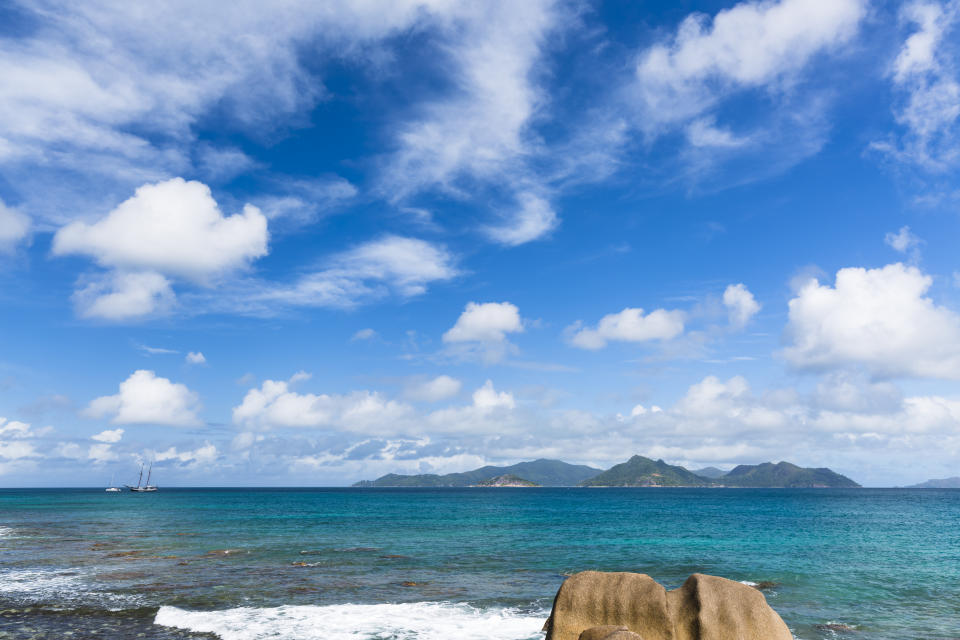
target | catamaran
x=141, y=488
x=112, y=488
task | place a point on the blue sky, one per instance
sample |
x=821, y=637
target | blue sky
x=311, y=244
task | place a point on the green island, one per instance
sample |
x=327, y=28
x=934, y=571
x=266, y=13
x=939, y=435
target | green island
x=638, y=471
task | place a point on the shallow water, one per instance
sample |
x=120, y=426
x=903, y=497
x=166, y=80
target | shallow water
x=469, y=563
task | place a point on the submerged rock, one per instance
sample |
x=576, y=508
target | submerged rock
x=704, y=608
x=836, y=626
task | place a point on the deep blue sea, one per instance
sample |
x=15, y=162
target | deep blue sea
x=432, y=564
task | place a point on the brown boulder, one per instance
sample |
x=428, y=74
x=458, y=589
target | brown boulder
x=704, y=608
x=609, y=632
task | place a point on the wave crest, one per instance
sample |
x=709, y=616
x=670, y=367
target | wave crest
x=411, y=621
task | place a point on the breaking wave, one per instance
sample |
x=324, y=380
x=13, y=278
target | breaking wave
x=412, y=621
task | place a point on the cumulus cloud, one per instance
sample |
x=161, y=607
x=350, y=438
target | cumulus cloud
x=145, y=398
x=485, y=322
x=435, y=390
x=14, y=227
x=481, y=331
x=14, y=428
x=108, y=436
x=878, y=319
x=169, y=229
x=487, y=399
x=119, y=296
x=195, y=357
x=173, y=227
x=929, y=94
x=275, y=404
x=741, y=305
x=101, y=453
x=629, y=325
x=204, y=455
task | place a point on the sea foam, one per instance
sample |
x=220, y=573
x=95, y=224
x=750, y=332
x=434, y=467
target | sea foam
x=412, y=621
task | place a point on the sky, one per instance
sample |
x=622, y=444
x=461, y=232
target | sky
x=302, y=243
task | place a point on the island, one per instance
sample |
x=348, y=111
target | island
x=638, y=471
x=942, y=483
x=506, y=480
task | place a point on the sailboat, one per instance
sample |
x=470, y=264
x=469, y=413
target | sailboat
x=112, y=488
x=142, y=488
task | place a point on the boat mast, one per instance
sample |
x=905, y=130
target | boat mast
x=140, y=479
x=148, y=474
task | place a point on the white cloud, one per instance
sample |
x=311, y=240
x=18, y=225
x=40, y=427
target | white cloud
x=109, y=436
x=195, y=357
x=173, y=228
x=101, y=453
x=741, y=305
x=924, y=78
x=204, y=455
x=759, y=49
x=878, y=319
x=435, y=390
x=533, y=219
x=640, y=410
x=274, y=404
x=119, y=296
x=485, y=322
x=364, y=334
x=479, y=132
x=903, y=241
x=749, y=45
x=17, y=450
x=14, y=428
x=487, y=399
x=481, y=332
x=112, y=94
x=404, y=266
x=145, y=398
x=629, y=325
x=14, y=227
x=703, y=132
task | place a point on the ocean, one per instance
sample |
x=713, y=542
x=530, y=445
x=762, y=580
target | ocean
x=469, y=564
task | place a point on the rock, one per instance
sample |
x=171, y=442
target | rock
x=609, y=632
x=704, y=608
x=624, y=635
x=836, y=626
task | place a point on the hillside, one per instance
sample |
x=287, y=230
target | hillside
x=942, y=483
x=507, y=480
x=547, y=473
x=644, y=472
x=784, y=475
x=710, y=472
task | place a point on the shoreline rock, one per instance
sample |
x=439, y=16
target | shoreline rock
x=704, y=608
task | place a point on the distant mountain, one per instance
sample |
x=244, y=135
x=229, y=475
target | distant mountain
x=644, y=472
x=710, y=472
x=785, y=475
x=943, y=483
x=547, y=473
x=507, y=480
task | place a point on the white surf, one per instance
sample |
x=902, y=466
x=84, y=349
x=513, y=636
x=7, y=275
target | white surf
x=410, y=621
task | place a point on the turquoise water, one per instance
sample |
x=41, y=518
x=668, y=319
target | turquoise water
x=471, y=563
